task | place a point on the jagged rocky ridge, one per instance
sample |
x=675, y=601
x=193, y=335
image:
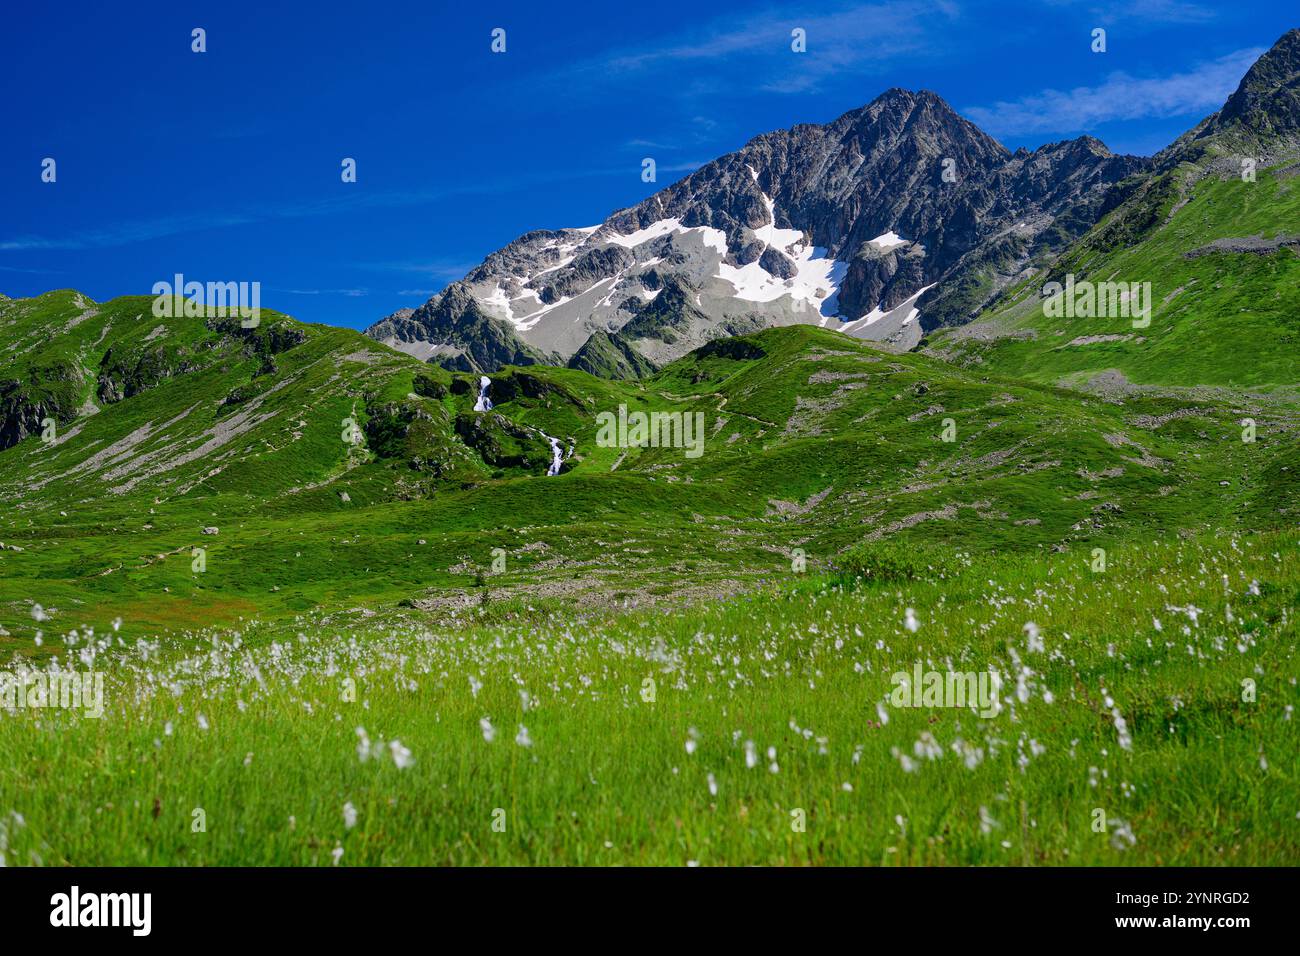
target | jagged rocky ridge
x=894, y=218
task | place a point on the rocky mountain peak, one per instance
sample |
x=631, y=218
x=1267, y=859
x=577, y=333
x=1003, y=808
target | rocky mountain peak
x=1267, y=101
x=896, y=217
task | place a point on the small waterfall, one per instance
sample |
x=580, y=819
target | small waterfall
x=484, y=404
x=557, y=455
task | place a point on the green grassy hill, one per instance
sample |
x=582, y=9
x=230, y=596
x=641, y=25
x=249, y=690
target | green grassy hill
x=815, y=444
x=1221, y=316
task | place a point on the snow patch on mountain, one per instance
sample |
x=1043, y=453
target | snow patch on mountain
x=889, y=240
x=712, y=237
x=817, y=277
x=498, y=304
x=902, y=315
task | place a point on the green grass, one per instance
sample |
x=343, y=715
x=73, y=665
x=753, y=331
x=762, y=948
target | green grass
x=1224, y=319
x=1209, y=777
x=814, y=441
x=897, y=480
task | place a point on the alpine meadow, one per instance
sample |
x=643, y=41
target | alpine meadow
x=873, y=494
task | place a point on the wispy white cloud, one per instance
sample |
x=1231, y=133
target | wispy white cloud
x=689, y=166
x=1159, y=11
x=855, y=32
x=1143, y=13
x=123, y=233
x=35, y=272
x=1198, y=91
x=351, y=293
x=841, y=38
x=441, y=269
x=144, y=230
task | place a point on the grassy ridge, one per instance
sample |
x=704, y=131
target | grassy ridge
x=814, y=441
x=1220, y=319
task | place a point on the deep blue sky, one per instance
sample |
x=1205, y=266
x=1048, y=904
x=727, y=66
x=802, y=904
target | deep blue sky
x=225, y=165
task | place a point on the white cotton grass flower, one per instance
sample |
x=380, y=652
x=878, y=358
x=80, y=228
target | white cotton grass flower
x=38, y=613
x=203, y=722
x=401, y=755
x=336, y=854
x=987, y=823
x=522, y=738
x=168, y=729
x=773, y=766
x=713, y=786
x=1121, y=836
x=489, y=732
x=907, y=763
x=910, y=622
x=117, y=624
x=363, y=744
x=474, y=686
x=692, y=738
x=349, y=815
x=882, y=713
x=751, y=755
x=1121, y=730
x=1034, y=640
x=926, y=747
x=1121, y=725
x=971, y=756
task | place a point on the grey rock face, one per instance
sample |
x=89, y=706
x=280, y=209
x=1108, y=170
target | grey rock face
x=894, y=218
x=467, y=339
x=1267, y=101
